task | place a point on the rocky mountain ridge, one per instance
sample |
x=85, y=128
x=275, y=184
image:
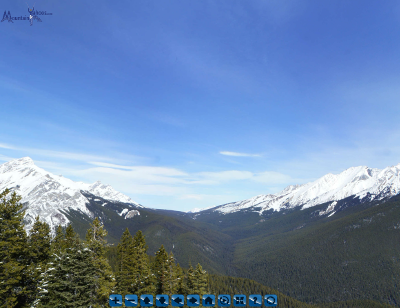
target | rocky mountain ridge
x=361, y=182
x=50, y=196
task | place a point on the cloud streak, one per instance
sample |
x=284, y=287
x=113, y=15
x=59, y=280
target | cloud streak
x=236, y=154
x=149, y=180
x=145, y=181
x=6, y=146
x=71, y=156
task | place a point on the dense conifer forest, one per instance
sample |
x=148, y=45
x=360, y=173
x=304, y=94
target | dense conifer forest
x=43, y=271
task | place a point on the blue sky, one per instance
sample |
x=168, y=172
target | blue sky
x=184, y=104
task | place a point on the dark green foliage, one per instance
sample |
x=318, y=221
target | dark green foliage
x=190, y=281
x=169, y=276
x=38, y=257
x=71, y=238
x=161, y=271
x=356, y=304
x=133, y=274
x=180, y=280
x=125, y=271
x=13, y=251
x=39, y=242
x=144, y=281
x=196, y=281
x=201, y=280
x=190, y=241
x=104, y=281
x=349, y=260
x=174, y=276
x=232, y=286
x=71, y=281
x=58, y=242
x=301, y=253
x=356, y=256
x=112, y=257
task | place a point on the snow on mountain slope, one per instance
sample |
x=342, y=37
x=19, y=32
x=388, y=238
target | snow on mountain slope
x=357, y=181
x=107, y=192
x=47, y=195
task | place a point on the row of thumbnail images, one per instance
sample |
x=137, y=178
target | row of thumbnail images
x=193, y=300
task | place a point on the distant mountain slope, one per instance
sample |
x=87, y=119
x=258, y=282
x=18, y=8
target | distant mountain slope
x=361, y=182
x=354, y=255
x=335, y=239
x=232, y=286
x=49, y=195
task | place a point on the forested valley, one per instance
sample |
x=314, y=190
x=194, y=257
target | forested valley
x=41, y=270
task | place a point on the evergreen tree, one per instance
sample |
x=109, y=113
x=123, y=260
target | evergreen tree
x=144, y=280
x=173, y=276
x=190, y=281
x=58, y=242
x=201, y=281
x=70, y=282
x=39, y=255
x=125, y=264
x=104, y=279
x=161, y=271
x=13, y=250
x=180, y=280
x=71, y=238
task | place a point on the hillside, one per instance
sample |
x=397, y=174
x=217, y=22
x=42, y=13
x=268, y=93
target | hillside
x=356, y=256
x=342, y=250
x=232, y=286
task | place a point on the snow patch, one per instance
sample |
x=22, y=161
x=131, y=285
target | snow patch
x=124, y=211
x=132, y=214
x=329, y=209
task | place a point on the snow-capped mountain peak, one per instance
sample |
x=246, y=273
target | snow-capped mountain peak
x=356, y=181
x=49, y=195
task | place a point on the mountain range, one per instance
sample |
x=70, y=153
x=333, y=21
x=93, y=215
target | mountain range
x=330, y=240
x=49, y=195
x=361, y=182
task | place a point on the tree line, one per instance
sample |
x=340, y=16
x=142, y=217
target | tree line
x=40, y=270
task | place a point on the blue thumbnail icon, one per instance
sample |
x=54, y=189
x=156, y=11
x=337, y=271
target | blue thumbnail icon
x=131, y=300
x=146, y=300
x=162, y=300
x=255, y=300
x=177, y=300
x=239, y=300
x=209, y=300
x=115, y=300
x=270, y=300
x=224, y=300
x=193, y=300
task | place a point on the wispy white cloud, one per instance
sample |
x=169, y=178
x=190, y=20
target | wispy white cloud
x=5, y=158
x=65, y=155
x=163, y=171
x=192, y=196
x=135, y=180
x=227, y=153
x=7, y=146
x=149, y=180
